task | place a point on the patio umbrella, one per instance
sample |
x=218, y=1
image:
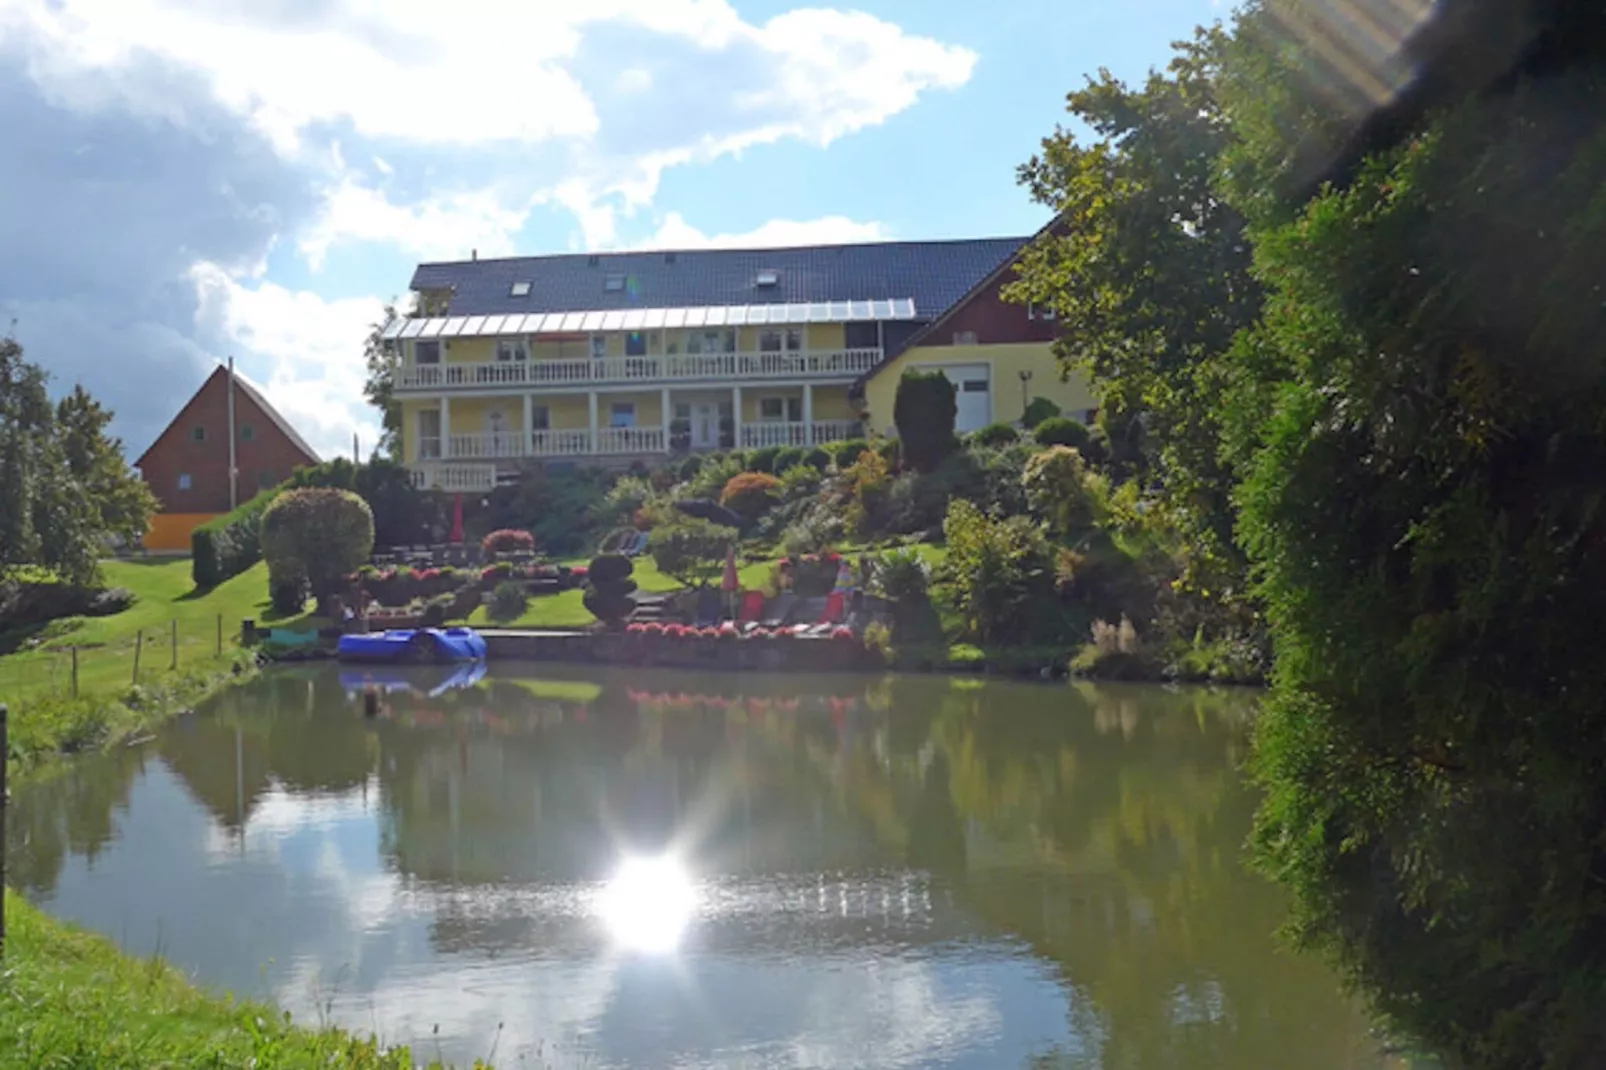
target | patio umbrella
x=730, y=583
x=457, y=519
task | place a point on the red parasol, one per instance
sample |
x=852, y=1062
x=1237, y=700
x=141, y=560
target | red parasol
x=731, y=582
x=457, y=519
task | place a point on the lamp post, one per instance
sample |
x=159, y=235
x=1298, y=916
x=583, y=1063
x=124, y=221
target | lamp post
x=1025, y=380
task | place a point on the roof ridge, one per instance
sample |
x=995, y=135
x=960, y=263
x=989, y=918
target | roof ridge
x=726, y=249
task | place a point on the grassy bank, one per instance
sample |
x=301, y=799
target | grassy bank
x=72, y=1000
x=111, y=700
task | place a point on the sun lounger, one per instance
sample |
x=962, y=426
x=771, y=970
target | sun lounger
x=779, y=611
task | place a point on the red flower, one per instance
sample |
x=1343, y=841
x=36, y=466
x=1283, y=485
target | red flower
x=842, y=631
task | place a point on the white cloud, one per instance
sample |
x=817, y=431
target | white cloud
x=436, y=228
x=306, y=352
x=676, y=233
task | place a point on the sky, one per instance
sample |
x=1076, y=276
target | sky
x=188, y=180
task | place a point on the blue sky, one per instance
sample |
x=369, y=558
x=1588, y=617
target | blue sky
x=208, y=179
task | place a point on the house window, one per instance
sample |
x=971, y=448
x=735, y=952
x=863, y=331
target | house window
x=778, y=408
x=622, y=414
x=247, y=433
x=774, y=341
x=862, y=335
x=613, y=284
x=712, y=341
x=599, y=346
x=683, y=410
x=198, y=433
x=540, y=418
x=427, y=352
x=520, y=289
x=183, y=481
x=964, y=338
x=265, y=480
x=636, y=344
x=1035, y=311
x=512, y=349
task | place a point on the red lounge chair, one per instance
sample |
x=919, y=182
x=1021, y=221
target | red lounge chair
x=752, y=608
x=835, y=606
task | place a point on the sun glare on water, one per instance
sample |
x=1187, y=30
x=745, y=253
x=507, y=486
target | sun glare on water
x=647, y=904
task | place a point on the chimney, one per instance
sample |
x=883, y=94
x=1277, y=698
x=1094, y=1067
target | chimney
x=473, y=254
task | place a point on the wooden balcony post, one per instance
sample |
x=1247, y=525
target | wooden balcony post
x=808, y=414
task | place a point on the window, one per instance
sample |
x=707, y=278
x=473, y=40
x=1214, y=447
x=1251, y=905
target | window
x=683, y=410
x=540, y=418
x=183, y=481
x=711, y=341
x=774, y=341
x=636, y=344
x=767, y=278
x=247, y=433
x=964, y=338
x=427, y=352
x=862, y=335
x=265, y=480
x=520, y=289
x=1035, y=311
x=622, y=414
x=599, y=346
x=613, y=284
x=198, y=433
x=788, y=409
x=512, y=349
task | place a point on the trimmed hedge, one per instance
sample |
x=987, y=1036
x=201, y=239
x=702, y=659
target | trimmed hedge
x=226, y=546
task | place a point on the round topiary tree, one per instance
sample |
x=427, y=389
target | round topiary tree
x=996, y=435
x=924, y=411
x=609, y=587
x=1062, y=431
x=321, y=534
x=1039, y=410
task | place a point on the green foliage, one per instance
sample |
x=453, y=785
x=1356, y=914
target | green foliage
x=843, y=454
x=715, y=473
x=382, y=359
x=608, y=588
x=1055, y=482
x=995, y=569
x=609, y=568
x=689, y=467
x=815, y=532
x=1418, y=425
x=924, y=412
x=869, y=482
x=751, y=494
x=816, y=458
x=1061, y=431
x=763, y=460
x=689, y=550
x=801, y=482
x=561, y=508
x=508, y=601
x=1039, y=410
x=625, y=498
x=788, y=458
x=64, y=486
x=996, y=435
x=918, y=501
x=227, y=545
x=288, y=592
x=322, y=534
x=901, y=575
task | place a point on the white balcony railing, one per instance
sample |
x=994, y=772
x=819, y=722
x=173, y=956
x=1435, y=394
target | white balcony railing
x=468, y=478
x=759, y=435
x=580, y=371
x=630, y=440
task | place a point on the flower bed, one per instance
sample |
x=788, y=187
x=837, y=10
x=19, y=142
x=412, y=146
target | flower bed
x=812, y=575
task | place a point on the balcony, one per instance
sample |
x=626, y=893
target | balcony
x=462, y=478
x=610, y=442
x=587, y=371
x=820, y=432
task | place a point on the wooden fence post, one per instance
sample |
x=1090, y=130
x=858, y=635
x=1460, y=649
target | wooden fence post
x=174, y=663
x=139, y=644
x=5, y=761
x=220, y=635
x=75, y=671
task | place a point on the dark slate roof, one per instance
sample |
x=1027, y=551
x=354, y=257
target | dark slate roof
x=254, y=392
x=934, y=273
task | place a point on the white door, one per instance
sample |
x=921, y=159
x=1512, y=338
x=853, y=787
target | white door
x=973, y=395
x=705, y=426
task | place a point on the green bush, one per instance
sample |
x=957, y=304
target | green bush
x=689, y=467
x=689, y=550
x=609, y=568
x=609, y=587
x=710, y=480
x=996, y=435
x=508, y=602
x=891, y=451
x=817, y=458
x=320, y=533
x=901, y=575
x=815, y=532
x=1061, y=431
x=995, y=570
x=763, y=460
x=751, y=494
x=1056, y=486
x=227, y=545
x=625, y=498
x=924, y=412
x=288, y=594
x=1039, y=410
x=787, y=458
x=843, y=454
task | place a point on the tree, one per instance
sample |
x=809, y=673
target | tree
x=609, y=588
x=1148, y=272
x=63, y=487
x=383, y=360
x=690, y=550
x=322, y=534
x=122, y=501
x=1417, y=425
x=924, y=412
x=751, y=494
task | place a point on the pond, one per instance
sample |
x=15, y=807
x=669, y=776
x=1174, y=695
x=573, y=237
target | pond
x=602, y=868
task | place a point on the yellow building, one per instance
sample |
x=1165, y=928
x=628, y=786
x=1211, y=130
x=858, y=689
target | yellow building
x=622, y=357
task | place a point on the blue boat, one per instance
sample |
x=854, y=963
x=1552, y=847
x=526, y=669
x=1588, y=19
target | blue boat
x=414, y=646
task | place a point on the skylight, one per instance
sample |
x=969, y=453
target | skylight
x=767, y=277
x=520, y=289
x=613, y=284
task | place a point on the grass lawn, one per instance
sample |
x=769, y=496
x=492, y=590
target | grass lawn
x=70, y=999
x=36, y=681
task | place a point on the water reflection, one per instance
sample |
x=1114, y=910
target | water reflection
x=908, y=871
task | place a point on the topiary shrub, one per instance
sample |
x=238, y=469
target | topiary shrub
x=843, y=454
x=996, y=435
x=609, y=568
x=924, y=412
x=817, y=459
x=1039, y=410
x=321, y=534
x=227, y=545
x=1055, y=482
x=763, y=460
x=787, y=458
x=901, y=575
x=689, y=467
x=607, y=594
x=1062, y=431
x=508, y=602
x=508, y=541
x=751, y=494
x=690, y=550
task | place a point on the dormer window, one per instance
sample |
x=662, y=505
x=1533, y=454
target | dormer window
x=767, y=278
x=520, y=289
x=613, y=284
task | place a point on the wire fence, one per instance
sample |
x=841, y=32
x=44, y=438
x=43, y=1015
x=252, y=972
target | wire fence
x=149, y=655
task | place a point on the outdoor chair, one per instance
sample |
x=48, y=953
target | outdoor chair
x=752, y=608
x=708, y=613
x=779, y=611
